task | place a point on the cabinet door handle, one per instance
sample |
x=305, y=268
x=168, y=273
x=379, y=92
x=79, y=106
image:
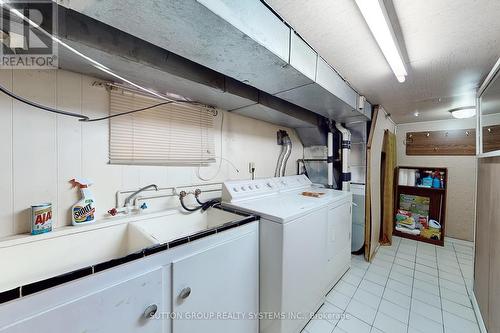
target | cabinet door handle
x=150, y=311
x=185, y=293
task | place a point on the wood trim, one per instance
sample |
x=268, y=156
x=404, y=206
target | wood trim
x=494, y=246
x=461, y=142
x=491, y=138
x=477, y=311
x=368, y=207
x=487, y=249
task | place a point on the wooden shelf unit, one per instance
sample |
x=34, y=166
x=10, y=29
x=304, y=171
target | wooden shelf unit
x=437, y=206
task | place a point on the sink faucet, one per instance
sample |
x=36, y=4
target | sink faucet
x=130, y=197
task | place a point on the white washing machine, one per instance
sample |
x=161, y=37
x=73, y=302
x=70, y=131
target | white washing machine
x=305, y=245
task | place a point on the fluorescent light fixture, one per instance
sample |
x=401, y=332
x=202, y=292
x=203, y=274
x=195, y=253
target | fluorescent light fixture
x=377, y=19
x=463, y=112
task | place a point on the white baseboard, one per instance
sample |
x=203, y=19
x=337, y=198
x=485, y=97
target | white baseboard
x=479, y=317
x=459, y=241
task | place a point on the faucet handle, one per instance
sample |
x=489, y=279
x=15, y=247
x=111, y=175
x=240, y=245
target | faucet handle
x=113, y=211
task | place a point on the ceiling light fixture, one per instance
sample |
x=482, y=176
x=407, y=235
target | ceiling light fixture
x=463, y=112
x=376, y=17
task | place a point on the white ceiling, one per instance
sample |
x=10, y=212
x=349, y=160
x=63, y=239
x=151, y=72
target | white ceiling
x=451, y=46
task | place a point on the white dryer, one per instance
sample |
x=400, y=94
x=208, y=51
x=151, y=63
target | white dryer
x=358, y=216
x=305, y=245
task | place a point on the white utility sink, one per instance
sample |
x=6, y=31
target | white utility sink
x=61, y=252
x=176, y=225
x=34, y=258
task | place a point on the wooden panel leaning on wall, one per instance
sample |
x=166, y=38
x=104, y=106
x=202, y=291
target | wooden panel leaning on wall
x=381, y=121
x=368, y=215
x=387, y=187
x=460, y=142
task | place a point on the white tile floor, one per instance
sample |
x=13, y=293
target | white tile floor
x=410, y=287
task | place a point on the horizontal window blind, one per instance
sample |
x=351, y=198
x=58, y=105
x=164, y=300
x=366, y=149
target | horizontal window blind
x=172, y=134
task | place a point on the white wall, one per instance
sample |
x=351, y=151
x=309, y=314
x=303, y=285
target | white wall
x=461, y=175
x=41, y=152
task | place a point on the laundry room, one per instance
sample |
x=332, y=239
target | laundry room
x=257, y=166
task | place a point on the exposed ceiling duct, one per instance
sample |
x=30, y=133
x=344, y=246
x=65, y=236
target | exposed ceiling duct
x=145, y=64
x=243, y=40
x=163, y=71
x=277, y=111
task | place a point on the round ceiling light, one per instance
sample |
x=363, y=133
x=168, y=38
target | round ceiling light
x=463, y=112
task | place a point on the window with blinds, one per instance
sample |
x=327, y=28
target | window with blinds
x=172, y=134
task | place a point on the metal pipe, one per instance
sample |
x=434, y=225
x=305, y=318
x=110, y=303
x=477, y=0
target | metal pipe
x=346, y=155
x=140, y=198
x=330, y=159
x=286, y=150
x=130, y=197
x=279, y=162
x=287, y=146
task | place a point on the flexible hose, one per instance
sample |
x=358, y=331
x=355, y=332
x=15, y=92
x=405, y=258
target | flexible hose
x=187, y=208
x=205, y=204
x=210, y=204
x=279, y=162
x=127, y=112
x=199, y=201
x=43, y=107
x=81, y=116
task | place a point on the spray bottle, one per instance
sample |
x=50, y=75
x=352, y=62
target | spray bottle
x=83, y=211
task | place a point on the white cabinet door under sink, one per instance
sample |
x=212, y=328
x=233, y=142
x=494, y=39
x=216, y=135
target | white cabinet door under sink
x=119, y=308
x=219, y=281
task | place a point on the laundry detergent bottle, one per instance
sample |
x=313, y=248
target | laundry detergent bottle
x=83, y=211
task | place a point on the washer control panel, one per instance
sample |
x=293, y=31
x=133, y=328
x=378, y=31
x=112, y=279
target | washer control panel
x=290, y=183
x=236, y=190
